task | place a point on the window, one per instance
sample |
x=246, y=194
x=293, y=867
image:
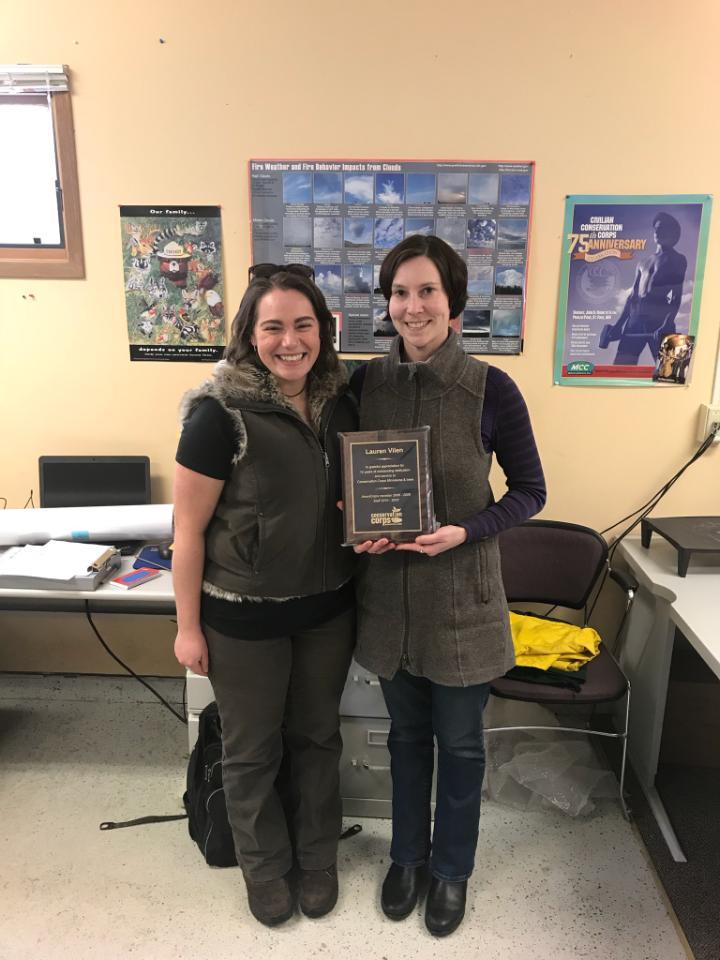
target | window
x=40, y=233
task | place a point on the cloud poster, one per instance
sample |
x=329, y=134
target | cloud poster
x=341, y=217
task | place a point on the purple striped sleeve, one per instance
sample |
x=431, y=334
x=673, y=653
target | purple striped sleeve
x=506, y=431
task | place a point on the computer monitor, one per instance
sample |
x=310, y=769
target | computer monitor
x=94, y=481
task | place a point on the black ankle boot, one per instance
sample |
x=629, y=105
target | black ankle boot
x=400, y=891
x=445, y=906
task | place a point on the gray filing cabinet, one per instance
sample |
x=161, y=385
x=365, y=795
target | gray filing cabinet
x=365, y=764
x=365, y=783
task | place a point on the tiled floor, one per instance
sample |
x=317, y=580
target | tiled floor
x=76, y=751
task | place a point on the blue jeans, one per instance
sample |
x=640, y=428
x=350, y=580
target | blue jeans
x=420, y=710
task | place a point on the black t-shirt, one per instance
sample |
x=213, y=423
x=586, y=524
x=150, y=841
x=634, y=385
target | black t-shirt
x=207, y=445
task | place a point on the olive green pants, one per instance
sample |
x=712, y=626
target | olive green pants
x=278, y=702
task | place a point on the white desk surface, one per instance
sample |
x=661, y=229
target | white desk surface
x=694, y=600
x=154, y=593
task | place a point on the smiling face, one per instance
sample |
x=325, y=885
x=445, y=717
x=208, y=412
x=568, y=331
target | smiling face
x=419, y=308
x=287, y=337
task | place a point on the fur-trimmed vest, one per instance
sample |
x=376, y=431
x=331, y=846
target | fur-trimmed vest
x=276, y=531
x=443, y=617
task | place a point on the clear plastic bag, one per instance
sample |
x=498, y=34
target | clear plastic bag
x=536, y=769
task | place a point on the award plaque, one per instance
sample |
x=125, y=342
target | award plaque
x=387, y=485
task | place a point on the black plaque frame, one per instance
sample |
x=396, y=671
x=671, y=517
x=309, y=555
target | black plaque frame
x=397, y=502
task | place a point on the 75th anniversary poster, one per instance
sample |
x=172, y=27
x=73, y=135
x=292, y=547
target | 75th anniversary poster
x=630, y=288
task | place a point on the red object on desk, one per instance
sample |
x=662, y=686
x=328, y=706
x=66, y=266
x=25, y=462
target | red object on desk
x=133, y=579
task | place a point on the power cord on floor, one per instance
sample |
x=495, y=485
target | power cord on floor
x=641, y=512
x=180, y=717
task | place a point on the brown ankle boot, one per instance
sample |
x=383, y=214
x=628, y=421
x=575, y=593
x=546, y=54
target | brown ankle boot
x=318, y=891
x=270, y=901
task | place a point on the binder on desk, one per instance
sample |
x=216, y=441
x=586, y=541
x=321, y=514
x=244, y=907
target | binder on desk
x=58, y=565
x=150, y=557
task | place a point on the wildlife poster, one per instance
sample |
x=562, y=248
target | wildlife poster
x=341, y=217
x=631, y=281
x=172, y=263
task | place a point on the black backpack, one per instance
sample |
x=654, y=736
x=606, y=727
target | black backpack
x=204, y=799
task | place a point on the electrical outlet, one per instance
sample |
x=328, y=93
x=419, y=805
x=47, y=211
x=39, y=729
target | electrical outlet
x=709, y=418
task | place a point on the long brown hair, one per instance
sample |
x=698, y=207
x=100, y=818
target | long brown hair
x=240, y=348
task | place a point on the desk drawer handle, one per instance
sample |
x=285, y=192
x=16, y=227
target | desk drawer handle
x=367, y=766
x=366, y=680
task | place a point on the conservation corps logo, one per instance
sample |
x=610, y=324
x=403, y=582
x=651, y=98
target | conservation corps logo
x=599, y=281
x=580, y=367
x=392, y=518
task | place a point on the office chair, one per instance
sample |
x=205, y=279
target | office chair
x=560, y=564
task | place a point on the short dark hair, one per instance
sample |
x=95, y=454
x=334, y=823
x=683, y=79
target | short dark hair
x=669, y=224
x=451, y=267
x=240, y=348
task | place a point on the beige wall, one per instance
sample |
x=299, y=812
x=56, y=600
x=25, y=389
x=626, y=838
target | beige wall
x=614, y=100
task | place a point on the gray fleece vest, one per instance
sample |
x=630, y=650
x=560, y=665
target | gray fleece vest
x=444, y=618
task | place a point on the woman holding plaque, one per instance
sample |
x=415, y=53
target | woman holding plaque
x=264, y=599
x=432, y=618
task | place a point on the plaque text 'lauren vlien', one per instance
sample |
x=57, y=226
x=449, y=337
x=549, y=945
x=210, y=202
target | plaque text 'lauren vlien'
x=387, y=485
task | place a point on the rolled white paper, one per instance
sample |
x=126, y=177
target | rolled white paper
x=147, y=521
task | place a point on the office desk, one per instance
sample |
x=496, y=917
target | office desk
x=155, y=596
x=664, y=601
x=365, y=763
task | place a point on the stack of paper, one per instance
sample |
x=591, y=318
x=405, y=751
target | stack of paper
x=57, y=563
